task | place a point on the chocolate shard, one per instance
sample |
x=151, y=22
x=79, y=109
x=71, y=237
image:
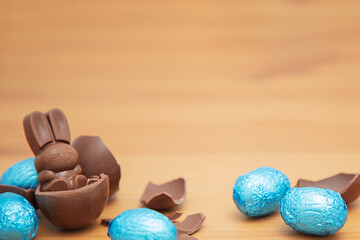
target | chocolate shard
x=95, y=158
x=37, y=131
x=59, y=125
x=29, y=194
x=164, y=196
x=174, y=216
x=190, y=224
x=348, y=185
x=106, y=221
x=186, y=237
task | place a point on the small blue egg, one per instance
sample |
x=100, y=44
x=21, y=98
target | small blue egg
x=259, y=192
x=313, y=211
x=22, y=174
x=18, y=219
x=142, y=224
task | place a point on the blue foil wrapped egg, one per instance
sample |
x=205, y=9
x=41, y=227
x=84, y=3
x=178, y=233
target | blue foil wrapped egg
x=259, y=192
x=142, y=223
x=314, y=211
x=22, y=174
x=18, y=219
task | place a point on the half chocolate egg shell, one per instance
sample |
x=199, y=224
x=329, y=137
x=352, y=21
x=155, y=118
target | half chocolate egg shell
x=77, y=208
x=348, y=185
x=95, y=158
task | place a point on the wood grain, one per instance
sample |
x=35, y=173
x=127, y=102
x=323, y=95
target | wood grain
x=205, y=90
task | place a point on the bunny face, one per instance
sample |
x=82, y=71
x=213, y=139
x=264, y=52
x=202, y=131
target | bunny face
x=57, y=157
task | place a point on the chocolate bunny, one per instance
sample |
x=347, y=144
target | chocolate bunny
x=56, y=161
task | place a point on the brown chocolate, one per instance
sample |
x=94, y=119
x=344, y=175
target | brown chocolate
x=190, y=224
x=56, y=160
x=174, y=216
x=77, y=208
x=164, y=196
x=29, y=194
x=348, y=185
x=186, y=237
x=96, y=158
x=106, y=221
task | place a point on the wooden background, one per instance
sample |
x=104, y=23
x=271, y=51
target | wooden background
x=205, y=90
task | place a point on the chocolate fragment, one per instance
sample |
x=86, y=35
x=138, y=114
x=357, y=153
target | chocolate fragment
x=186, y=237
x=95, y=158
x=74, y=208
x=190, y=224
x=29, y=194
x=174, y=216
x=106, y=221
x=164, y=196
x=348, y=185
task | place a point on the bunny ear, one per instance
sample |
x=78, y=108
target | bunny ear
x=59, y=125
x=37, y=131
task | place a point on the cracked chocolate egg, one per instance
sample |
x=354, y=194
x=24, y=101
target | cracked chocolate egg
x=77, y=208
x=259, y=192
x=314, y=211
x=22, y=175
x=142, y=223
x=18, y=219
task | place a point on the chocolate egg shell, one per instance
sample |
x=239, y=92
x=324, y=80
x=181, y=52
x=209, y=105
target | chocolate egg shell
x=77, y=208
x=22, y=174
x=259, y=192
x=348, y=185
x=18, y=219
x=28, y=194
x=142, y=223
x=95, y=158
x=314, y=211
x=164, y=196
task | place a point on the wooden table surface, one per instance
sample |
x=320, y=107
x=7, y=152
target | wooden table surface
x=205, y=90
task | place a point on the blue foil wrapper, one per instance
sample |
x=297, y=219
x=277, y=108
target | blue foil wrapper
x=142, y=223
x=22, y=174
x=314, y=211
x=18, y=219
x=259, y=192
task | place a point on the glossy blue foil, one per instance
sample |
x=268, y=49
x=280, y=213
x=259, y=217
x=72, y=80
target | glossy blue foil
x=142, y=224
x=314, y=211
x=18, y=219
x=259, y=192
x=22, y=174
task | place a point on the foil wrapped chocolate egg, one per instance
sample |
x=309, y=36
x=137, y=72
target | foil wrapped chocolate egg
x=314, y=211
x=18, y=219
x=259, y=192
x=22, y=174
x=142, y=223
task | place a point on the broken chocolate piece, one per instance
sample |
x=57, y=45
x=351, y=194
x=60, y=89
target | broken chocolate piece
x=164, y=196
x=348, y=185
x=186, y=237
x=174, y=216
x=190, y=224
x=96, y=158
x=106, y=221
x=76, y=208
x=29, y=194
